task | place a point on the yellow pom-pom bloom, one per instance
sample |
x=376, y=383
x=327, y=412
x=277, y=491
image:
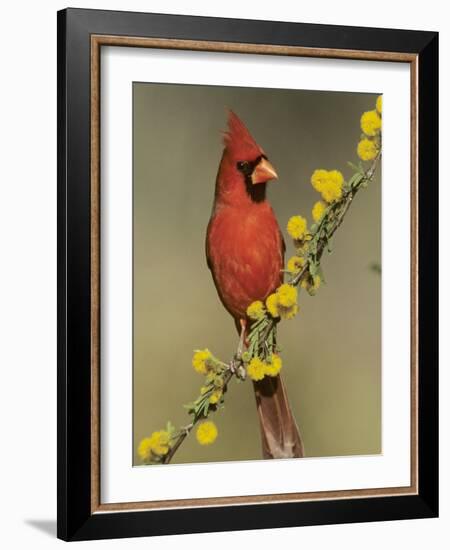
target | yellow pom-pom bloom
x=367, y=149
x=311, y=285
x=318, y=211
x=297, y=227
x=370, y=123
x=256, y=310
x=161, y=442
x=288, y=312
x=328, y=184
x=303, y=248
x=332, y=194
x=287, y=295
x=206, y=433
x=200, y=360
x=295, y=264
x=215, y=397
x=335, y=178
x=274, y=367
x=272, y=305
x=157, y=443
x=256, y=369
x=319, y=179
x=380, y=104
x=333, y=189
x=145, y=448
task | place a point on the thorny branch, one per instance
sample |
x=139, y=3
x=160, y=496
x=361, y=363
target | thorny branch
x=324, y=237
x=187, y=429
x=345, y=204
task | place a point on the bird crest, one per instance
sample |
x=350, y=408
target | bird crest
x=238, y=140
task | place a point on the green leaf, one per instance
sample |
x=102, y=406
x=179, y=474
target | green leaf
x=353, y=166
x=356, y=179
x=313, y=247
x=330, y=246
x=170, y=427
x=251, y=349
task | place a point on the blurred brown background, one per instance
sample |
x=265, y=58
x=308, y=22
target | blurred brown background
x=332, y=350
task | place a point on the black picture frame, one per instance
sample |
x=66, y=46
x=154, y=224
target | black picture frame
x=76, y=520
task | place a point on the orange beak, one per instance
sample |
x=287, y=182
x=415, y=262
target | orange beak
x=263, y=172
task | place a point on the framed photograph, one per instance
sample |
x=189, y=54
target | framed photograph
x=247, y=256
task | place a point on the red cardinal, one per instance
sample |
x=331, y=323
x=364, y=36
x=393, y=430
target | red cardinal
x=245, y=252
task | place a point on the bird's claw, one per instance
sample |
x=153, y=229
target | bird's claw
x=234, y=364
x=241, y=372
x=237, y=368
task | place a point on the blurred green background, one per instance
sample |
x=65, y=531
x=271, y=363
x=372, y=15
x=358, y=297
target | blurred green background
x=332, y=350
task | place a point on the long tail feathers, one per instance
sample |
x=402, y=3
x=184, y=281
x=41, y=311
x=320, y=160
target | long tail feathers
x=280, y=436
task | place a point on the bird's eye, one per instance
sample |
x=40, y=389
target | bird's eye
x=243, y=166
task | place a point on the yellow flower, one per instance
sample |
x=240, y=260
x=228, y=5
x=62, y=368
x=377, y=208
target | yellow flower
x=272, y=305
x=161, y=442
x=287, y=295
x=332, y=194
x=295, y=264
x=256, y=369
x=367, y=149
x=256, y=310
x=333, y=189
x=318, y=211
x=380, y=104
x=297, y=227
x=157, y=443
x=311, y=285
x=206, y=433
x=200, y=360
x=277, y=309
x=329, y=184
x=204, y=389
x=215, y=397
x=319, y=179
x=145, y=448
x=274, y=367
x=288, y=312
x=335, y=178
x=370, y=123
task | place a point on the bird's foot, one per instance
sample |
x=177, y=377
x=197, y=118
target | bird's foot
x=242, y=343
x=237, y=368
